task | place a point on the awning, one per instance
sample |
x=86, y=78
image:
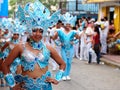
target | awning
x=99, y=1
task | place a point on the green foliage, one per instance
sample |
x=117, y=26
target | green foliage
x=12, y=2
x=47, y=3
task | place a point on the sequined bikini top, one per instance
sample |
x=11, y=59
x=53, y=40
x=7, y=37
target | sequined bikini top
x=12, y=44
x=29, y=59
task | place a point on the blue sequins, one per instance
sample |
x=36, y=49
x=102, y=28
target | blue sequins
x=35, y=84
x=29, y=60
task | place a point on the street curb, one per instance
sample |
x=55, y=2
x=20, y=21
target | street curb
x=110, y=63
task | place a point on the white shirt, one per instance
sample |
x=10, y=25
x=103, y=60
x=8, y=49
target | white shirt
x=83, y=37
x=89, y=31
x=106, y=24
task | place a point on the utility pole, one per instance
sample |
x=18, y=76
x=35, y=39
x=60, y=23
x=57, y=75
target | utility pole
x=60, y=4
x=76, y=5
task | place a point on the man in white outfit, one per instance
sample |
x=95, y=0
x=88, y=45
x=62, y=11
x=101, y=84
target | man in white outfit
x=83, y=38
x=52, y=31
x=76, y=44
x=104, y=34
x=89, y=32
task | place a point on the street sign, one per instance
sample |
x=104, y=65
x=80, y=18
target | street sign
x=3, y=8
x=1, y=1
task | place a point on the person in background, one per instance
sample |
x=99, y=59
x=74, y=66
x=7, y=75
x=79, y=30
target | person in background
x=83, y=24
x=83, y=42
x=105, y=30
x=76, y=45
x=89, y=33
x=56, y=43
x=66, y=37
x=96, y=43
x=111, y=29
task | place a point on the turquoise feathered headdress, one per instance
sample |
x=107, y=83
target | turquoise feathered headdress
x=18, y=27
x=6, y=24
x=20, y=14
x=36, y=14
x=41, y=15
x=52, y=20
x=68, y=18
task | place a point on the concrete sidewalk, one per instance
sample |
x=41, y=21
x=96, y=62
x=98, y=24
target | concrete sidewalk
x=112, y=60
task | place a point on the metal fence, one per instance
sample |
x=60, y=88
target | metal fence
x=78, y=7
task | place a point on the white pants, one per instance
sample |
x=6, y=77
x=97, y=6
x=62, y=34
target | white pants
x=76, y=50
x=88, y=46
x=104, y=43
x=83, y=52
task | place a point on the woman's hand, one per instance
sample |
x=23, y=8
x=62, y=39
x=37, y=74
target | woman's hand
x=51, y=80
x=17, y=87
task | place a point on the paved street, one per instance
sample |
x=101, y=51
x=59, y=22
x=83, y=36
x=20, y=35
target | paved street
x=90, y=77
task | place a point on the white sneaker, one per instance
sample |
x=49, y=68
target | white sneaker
x=64, y=78
x=81, y=59
x=68, y=78
x=102, y=63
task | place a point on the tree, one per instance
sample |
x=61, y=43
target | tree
x=48, y=3
x=12, y=5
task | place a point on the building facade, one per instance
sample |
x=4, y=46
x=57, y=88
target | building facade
x=110, y=9
x=80, y=9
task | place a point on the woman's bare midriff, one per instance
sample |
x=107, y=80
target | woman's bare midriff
x=36, y=73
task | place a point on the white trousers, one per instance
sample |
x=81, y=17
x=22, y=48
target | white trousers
x=88, y=46
x=103, y=43
x=76, y=50
x=83, y=52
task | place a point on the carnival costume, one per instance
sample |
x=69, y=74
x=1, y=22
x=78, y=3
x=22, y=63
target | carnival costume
x=18, y=29
x=5, y=25
x=67, y=50
x=39, y=17
x=28, y=61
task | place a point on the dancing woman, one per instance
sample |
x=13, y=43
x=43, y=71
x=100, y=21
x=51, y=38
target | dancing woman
x=34, y=63
x=8, y=46
x=34, y=54
x=66, y=37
